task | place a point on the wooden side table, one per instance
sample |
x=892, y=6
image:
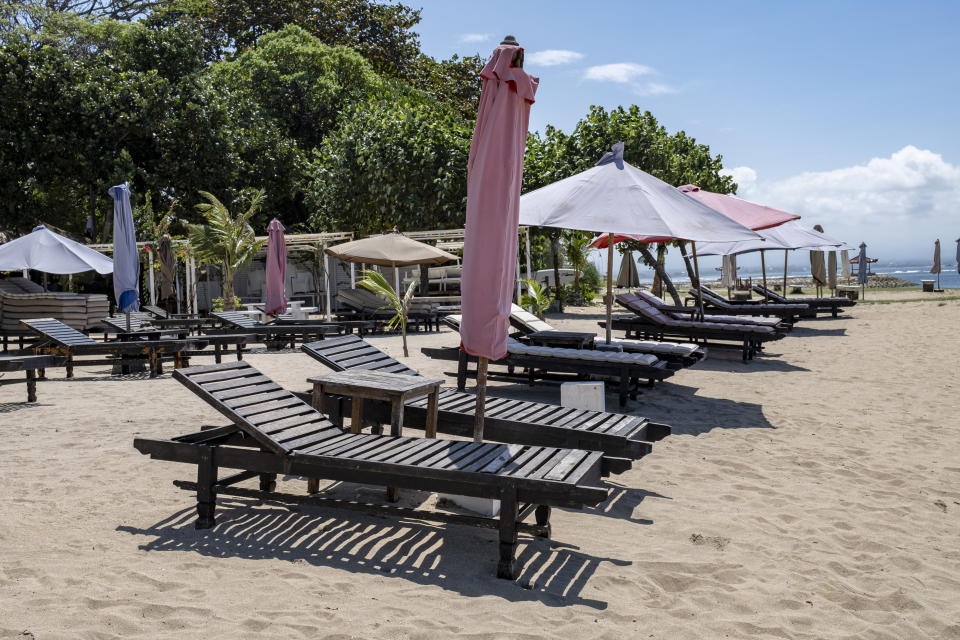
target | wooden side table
x=361, y=384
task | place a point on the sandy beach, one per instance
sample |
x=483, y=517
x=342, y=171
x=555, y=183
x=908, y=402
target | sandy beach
x=812, y=493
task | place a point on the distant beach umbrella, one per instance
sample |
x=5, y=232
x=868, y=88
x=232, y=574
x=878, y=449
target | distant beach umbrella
x=276, y=278
x=729, y=271
x=494, y=177
x=628, y=276
x=832, y=270
x=936, y=258
x=845, y=264
x=958, y=255
x=126, y=258
x=168, y=267
x=817, y=268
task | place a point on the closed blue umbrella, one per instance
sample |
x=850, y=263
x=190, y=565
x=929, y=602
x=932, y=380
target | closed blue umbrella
x=126, y=261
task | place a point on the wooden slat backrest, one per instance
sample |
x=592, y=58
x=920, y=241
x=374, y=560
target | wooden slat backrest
x=341, y=352
x=159, y=312
x=237, y=319
x=271, y=415
x=54, y=330
x=138, y=321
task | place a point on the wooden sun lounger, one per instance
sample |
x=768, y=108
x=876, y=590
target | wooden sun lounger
x=650, y=323
x=33, y=366
x=682, y=354
x=713, y=300
x=544, y=362
x=274, y=432
x=59, y=339
x=831, y=304
x=620, y=437
x=688, y=313
x=142, y=328
x=274, y=335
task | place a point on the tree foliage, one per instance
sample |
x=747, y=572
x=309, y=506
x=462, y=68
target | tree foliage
x=397, y=161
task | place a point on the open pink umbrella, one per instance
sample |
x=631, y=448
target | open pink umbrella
x=276, y=300
x=494, y=176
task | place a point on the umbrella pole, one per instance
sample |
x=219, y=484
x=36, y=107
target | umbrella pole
x=786, y=256
x=326, y=283
x=481, y=399
x=763, y=269
x=396, y=280
x=609, y=285
x=696, y=273
x=128, y=321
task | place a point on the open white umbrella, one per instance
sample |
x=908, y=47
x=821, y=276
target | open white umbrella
x=44, y=250
x=614, y=197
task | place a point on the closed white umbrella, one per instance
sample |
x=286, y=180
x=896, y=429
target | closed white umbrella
x=44, y=250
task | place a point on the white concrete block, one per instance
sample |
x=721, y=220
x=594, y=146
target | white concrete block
x=582, y=395
x=487, y=507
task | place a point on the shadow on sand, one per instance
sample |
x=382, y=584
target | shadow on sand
x=461, y=559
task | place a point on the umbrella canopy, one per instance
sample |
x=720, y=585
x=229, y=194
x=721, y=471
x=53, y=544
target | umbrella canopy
x=126, y=259
x=44, y=250
x=845, y=263
x=862, y=264
x=790, y=235
x=749, y=214
x=168, y=268
x=616, y=197
x=936, y=258
x=276, y=300
x=494, y=175
x=628, y=276
x=389, y=250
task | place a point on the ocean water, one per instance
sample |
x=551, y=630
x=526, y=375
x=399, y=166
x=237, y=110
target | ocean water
x=949, y=278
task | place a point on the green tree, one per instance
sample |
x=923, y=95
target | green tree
x=226, y=240
x=396, y=161
x=375, y=282
x=454, y=81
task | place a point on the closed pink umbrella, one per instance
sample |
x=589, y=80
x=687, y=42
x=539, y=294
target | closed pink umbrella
x=276, y=300
x=494, y=176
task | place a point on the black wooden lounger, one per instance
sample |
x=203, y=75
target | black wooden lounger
x=713, y=300
x=648, y=322
x=620, y=437
x=688, y=313
x=274, y=335
x=546, y=362
x=685, y=355
x=30, y=365
x=142, y=328
x=274, y=432
x=59, y=339
x=831, y=304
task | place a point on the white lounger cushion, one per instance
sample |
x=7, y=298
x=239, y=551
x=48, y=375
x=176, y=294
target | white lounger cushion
x=593, y=355
x=528, y=319
x=652, y=346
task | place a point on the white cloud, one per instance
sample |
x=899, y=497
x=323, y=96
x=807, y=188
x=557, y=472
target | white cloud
x=475, y=37
x=654, y=89
x=553, y=57
x=899, y=204
x=622, y=72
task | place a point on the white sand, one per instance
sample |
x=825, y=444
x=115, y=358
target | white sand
x=814, y=493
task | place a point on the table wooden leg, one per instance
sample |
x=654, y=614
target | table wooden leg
x=432, y=401
x=356, y=415
x=31, y=385
x=217, y=350
x=396, y=417
x=317, y=399
x=313, y=485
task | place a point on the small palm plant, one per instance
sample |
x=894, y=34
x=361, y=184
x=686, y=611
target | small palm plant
x=227, y=240
x=375, y=281
x=536, y=298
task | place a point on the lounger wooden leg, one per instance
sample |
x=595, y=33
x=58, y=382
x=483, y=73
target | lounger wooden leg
x=239, y=351
x=31, y=385
x=542, y=516
x=69, y=366
x=206, y=488
x=217, y=352
x=313, y=485
x=432, y=401
x=508, y=533
x=268, y=482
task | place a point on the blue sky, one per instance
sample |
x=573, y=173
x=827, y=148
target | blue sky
x=847, y=113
